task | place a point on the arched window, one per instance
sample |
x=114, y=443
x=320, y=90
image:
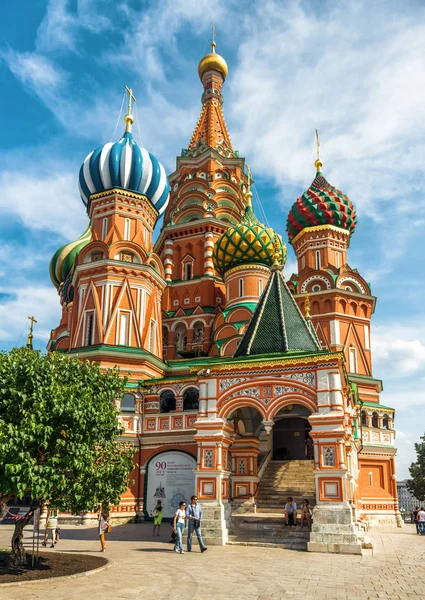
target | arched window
x=240, y=288
x=104, y=227
x=364, y=420
x=337, y=260
x=191, y=399
x=385, y=422
x=374, y=419
x=188, y=271
x=260, y=287
x=127, y=229
x=127, y=403
x=180, y=337
x=167, y=401
x=318, y=261
x=198, y=333
x=164, y=336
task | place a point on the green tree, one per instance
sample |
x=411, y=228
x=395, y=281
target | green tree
x=416, y=485
x=59, y=435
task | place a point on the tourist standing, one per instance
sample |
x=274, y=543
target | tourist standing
x=194, y=518
x=157, y=517
x=290, y=512
x=104, y=527
x=179, y=522
x=51, y=527
x=415, y=520
x=421, y=521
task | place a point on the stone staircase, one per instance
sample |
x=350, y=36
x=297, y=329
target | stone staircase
x=266, y=527
x=283, y=478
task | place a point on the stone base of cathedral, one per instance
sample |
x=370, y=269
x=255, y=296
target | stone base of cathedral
x=333, y=531
x=215, y=523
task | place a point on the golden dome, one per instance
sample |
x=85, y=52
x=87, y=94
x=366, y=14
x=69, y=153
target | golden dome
x=213, y=61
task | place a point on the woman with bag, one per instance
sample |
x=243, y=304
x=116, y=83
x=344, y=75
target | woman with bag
x=157, y=517
x=103, y=528
x=179, y=522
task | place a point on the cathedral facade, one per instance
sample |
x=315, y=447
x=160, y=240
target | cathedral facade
x=233, y=369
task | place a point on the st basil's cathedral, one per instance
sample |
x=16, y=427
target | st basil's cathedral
x=244, y=386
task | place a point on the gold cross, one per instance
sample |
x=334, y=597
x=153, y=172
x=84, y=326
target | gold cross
x=130, y=98
x=248, y=168
x=317, y=145
x=213, y=44
x=32, y=319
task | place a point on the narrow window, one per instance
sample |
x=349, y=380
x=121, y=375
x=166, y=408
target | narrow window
x=188, y=271
x=337, y=260
x=104, y=227
x=152, y=337
x=303, y=262
x=89, y=330
x=260, y=287
x=127, y=229
x=353, y=360
x=146, y=237
x=318, y=263
x=123, y=339
x=241, y=288
x=370, y=478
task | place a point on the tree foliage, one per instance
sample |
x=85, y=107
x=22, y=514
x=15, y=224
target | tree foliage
x=416, y=485
x=58, y=434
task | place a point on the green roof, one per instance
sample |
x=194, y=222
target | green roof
x=277, y=325
x=374, y=405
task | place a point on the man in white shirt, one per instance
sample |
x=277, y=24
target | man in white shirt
x=290, y=512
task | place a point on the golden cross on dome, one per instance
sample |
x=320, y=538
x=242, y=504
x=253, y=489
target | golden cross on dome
x=130, y=98
x=317, y=145
x=30, y=335
x=248, y=168
x=318, y=162
x=213, y=44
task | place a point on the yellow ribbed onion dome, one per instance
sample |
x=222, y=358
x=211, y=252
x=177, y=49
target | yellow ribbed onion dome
x=248, y=242
x=63, y=259
x=213, y=61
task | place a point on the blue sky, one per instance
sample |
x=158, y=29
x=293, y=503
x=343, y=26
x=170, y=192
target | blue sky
x=354, y=70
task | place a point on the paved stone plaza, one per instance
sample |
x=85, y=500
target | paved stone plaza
x=146, y=568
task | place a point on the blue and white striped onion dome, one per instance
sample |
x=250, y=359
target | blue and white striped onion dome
x=126, y=165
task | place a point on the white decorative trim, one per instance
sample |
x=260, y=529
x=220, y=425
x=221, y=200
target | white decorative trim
x=314, y=278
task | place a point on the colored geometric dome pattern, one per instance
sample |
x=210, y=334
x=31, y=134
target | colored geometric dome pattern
x=321, y=204
x=63, y=259
x=125, y=165
x=245, y=243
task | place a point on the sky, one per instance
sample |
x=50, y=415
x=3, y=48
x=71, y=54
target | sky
x=353, y=70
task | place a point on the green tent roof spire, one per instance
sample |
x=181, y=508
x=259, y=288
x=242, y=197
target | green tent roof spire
x=277, y=324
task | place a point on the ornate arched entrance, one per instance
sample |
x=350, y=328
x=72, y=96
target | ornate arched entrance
x=291, y=439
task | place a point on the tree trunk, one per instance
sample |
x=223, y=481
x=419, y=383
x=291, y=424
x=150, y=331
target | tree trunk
x=18, y=556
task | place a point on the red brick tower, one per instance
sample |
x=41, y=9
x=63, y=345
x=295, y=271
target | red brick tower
x=207, y=196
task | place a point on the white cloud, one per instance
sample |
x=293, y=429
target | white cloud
x=47, y=201
x=61, y=26
x=39, y=300
x=398, y=351
x=35, y=71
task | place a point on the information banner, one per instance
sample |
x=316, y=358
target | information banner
x=171, y=479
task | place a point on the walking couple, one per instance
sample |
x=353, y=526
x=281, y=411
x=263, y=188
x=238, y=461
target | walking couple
x=193, y=515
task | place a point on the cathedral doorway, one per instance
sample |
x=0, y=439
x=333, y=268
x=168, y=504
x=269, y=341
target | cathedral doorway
x=291, y=434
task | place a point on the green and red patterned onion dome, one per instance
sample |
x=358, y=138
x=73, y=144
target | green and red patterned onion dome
x=321, y=204
x=248, y=242
x=63, y=261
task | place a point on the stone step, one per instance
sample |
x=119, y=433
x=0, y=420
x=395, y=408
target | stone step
x=267, y=543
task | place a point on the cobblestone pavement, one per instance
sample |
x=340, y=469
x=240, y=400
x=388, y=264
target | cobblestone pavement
x=146, y=568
